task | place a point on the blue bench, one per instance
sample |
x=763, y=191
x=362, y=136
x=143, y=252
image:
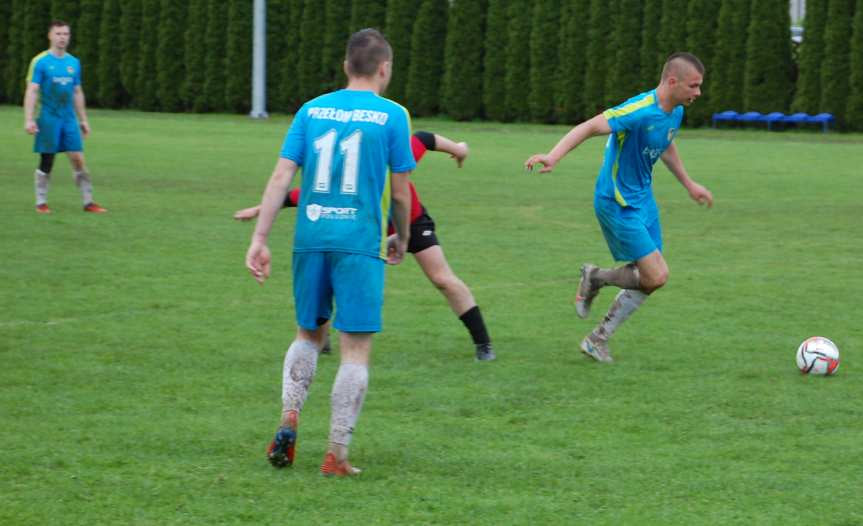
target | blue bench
x=774, y=118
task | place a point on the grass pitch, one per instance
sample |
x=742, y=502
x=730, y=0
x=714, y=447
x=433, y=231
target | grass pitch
x=141, y=364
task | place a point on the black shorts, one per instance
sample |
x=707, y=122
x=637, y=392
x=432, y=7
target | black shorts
x=422, y=234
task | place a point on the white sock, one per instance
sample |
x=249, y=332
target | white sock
x=82, y=179
x=301, y=361
x=625, y=303
x=42, y=181
x=349, y=391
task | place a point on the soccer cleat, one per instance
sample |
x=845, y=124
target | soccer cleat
x=281, y=451
x=596, y=349
x=586, y=291
x=333, y=468
x=485, y=352
x=94, y=208
x=43, y=209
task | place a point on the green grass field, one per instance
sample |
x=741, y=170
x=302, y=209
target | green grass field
x=140, y=365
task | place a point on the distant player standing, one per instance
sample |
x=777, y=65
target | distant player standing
x=344, y=141
x=54, y=78
x=425, y=247
x=642, y=130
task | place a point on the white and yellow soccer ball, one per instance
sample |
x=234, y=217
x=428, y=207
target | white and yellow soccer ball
x=818, y=355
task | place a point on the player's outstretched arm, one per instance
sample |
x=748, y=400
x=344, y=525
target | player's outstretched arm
x=697, y=192
x=587, y=129
x=30, y=97
x=246, y=214
x=456, y=150
x=258, y=255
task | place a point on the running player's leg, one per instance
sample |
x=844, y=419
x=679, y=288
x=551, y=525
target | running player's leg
x=631, y=236
x=312, y=297
x=358, y=285
x=434, y=264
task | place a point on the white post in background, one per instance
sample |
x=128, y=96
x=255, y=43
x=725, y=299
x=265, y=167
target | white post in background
x=259, y=57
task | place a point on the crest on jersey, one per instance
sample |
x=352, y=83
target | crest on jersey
x=313, y=212
x=70, y=69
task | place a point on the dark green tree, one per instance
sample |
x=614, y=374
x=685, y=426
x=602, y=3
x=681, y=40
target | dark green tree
x=544, y=43
x=399, y=25
x=238, y=57
x=854, y=112
x=214, y=60
x=807, y=96
x=461, y=92
x=170, y=63
x=649, y=62
x=672, y=28
x=836, y=67
x=518, y=61
x=494, y=62
x=5, y=14
x=145, y=87
x=728, y=65
x=15, y=69
x=111, y=93
x=367, y=13
x=767, y=74
x=426, y=62
x=336, y=35
x=129, y=33
x=34, y=33
x=66, y=10
x=624, y=76
x=311, y=45
x=596, y=71
x=287, y=98
x=85, y=46
x=195, y=53
x=701, y=31
x=572, y=61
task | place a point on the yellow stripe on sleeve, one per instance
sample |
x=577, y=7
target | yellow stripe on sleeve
x=629, y=108
x=32, y=67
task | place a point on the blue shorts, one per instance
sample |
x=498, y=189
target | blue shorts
x=631, y=233
x=57, y=135
x=355, y=280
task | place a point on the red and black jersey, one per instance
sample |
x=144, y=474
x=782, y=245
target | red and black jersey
x=419, y=150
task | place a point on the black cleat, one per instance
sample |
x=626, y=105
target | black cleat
x=485, y=352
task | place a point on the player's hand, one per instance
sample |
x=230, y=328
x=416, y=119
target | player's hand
x=544, y=159
x=85, y=128
x=461, y=155
x=396, y=248
x=258, y=261
x=247, y=214
x=31, y=127
x=701, y=195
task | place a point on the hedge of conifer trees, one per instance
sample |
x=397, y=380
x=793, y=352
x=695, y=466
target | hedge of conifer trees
x=504, y=60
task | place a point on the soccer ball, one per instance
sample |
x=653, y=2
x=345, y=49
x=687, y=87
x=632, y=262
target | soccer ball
x=818, y=355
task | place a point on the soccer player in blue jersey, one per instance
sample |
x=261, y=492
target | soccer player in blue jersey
x=54, y=79
x=641, y=130
x=354, y=149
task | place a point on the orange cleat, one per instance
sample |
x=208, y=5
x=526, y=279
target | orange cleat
x=43, y=209
x=333, y=468
x=94, y=208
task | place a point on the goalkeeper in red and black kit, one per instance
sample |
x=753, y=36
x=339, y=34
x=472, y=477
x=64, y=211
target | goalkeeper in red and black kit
x=425, y=247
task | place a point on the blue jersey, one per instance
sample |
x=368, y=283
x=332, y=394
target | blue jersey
x=57, y=79
x=347, y=142
x=641, y=131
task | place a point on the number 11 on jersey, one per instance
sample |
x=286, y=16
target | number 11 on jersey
x=350, y=149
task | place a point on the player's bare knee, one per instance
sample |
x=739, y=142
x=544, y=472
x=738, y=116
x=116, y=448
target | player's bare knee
x=654, y=281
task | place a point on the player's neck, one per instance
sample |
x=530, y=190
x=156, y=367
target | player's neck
x=663, y=95
x=57, y=52
x=363, y=84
